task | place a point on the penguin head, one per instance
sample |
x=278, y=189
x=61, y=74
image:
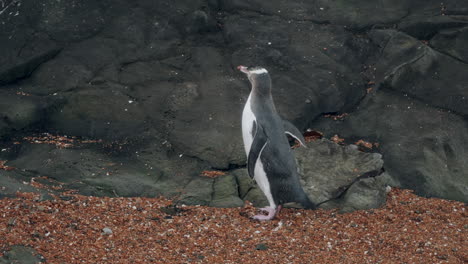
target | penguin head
x=258, y=76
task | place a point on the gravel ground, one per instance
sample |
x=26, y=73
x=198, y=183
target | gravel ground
x=79, y=229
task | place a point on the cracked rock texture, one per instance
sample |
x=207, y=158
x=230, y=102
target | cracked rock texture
x=156, y=81
x=21, y=255
x=331, y=172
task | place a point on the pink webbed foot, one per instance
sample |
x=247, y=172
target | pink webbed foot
x=272, y=212
x=266, y=209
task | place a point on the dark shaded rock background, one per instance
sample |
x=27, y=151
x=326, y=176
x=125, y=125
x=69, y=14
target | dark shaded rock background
x=156, y=81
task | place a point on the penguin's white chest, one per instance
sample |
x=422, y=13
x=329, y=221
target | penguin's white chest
x=248, y=119
x=260, y=176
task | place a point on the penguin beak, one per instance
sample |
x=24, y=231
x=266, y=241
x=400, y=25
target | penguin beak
x=243, y=69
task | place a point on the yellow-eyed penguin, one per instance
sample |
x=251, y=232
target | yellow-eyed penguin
x=270, y=160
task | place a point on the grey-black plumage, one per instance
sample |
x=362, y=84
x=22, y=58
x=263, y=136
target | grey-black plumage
x=270, y=160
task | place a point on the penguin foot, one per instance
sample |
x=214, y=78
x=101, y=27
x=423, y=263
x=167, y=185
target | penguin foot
x=266, y=209
x=263, y=217
x=272, y=212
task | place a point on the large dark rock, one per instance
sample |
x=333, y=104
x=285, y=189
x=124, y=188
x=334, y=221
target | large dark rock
x=69, y=20
x=424, y=148
x=19, y=111
x=57, y=76
x=101, y=170
x=426, y=27
x=310, y=72
x=426, y=18
x=159, y=80
x=414, y=69
x=15, y=181
x=355, y=14
x=190, y=93
x=452, y=42
x=33, y=32
x=208, y=112
x=100, y=112
x=22, y=48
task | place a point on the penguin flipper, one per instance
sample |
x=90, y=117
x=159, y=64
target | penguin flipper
x=259, y=142
x=292, y=130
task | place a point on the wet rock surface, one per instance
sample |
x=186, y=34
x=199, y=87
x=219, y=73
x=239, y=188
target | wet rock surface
x=335, y=175
x=155, y=83
x=423, y=147
x=21, y=255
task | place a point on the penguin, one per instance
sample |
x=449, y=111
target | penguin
x=270, y=160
